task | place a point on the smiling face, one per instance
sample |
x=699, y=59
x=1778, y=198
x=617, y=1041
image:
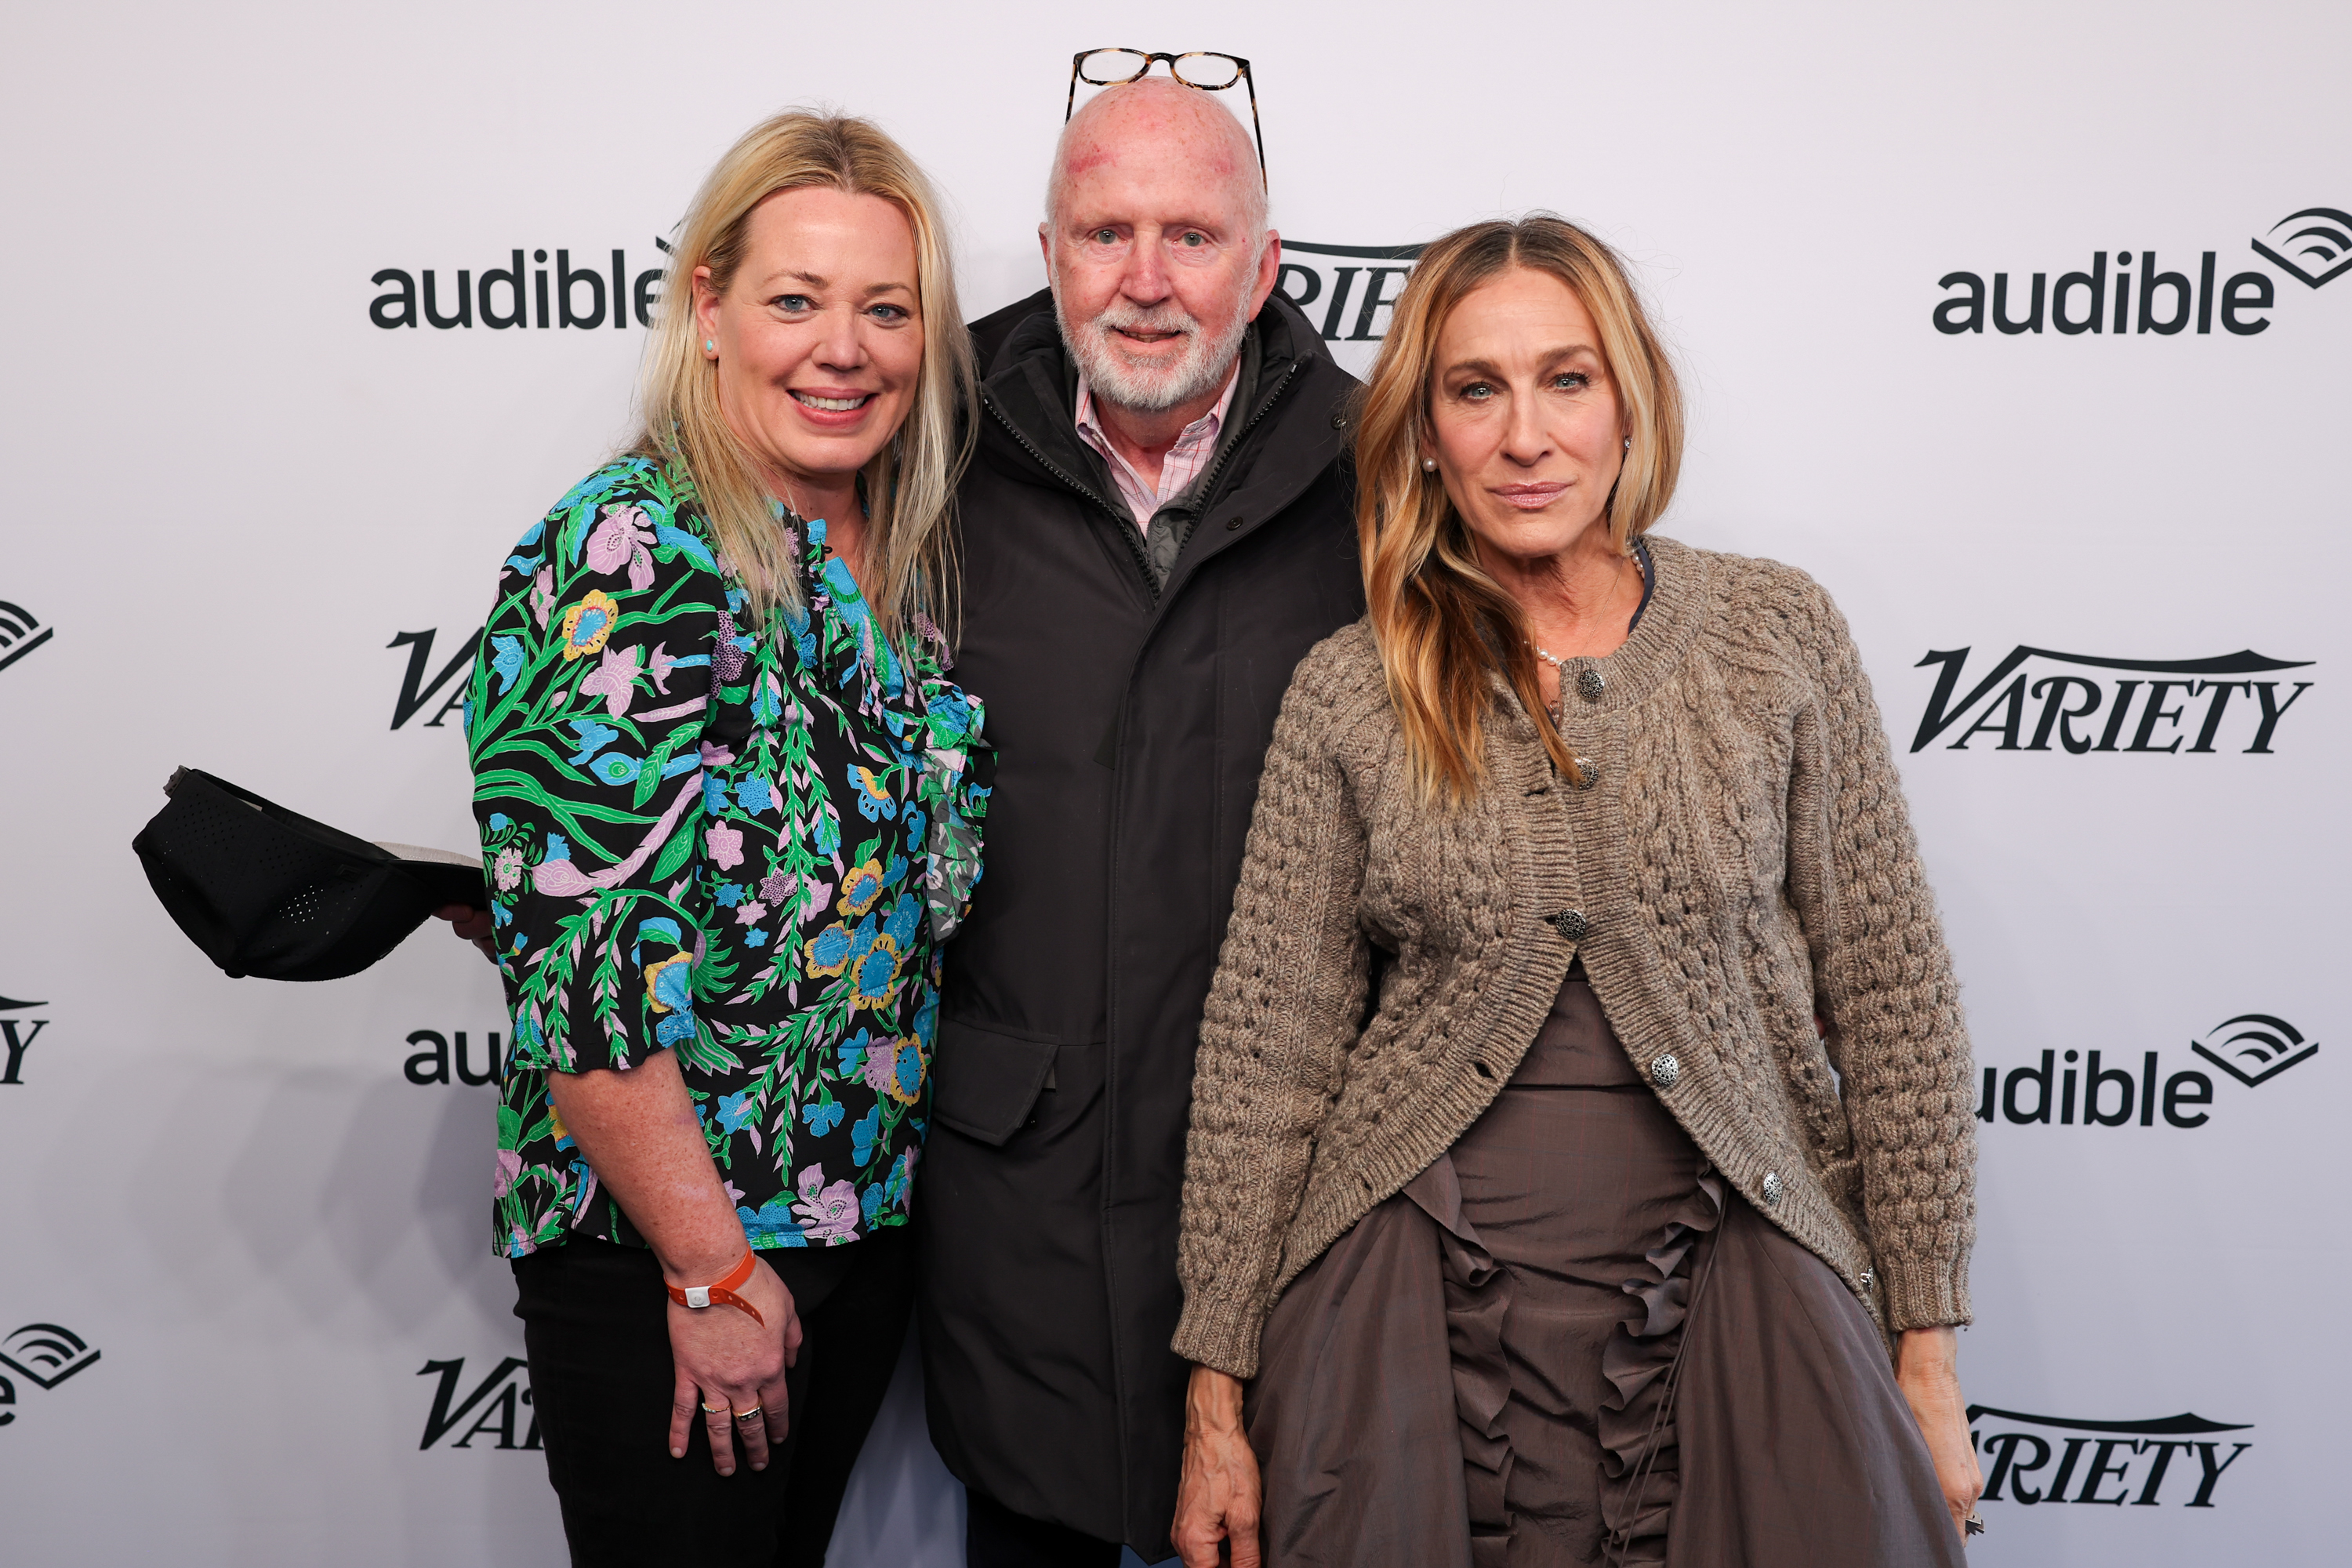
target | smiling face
x=1154, y=244
x=1524, y=417
x=818, y=336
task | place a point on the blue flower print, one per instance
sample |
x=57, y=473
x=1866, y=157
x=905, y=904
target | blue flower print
x=831, y=951
x=615, y=768
x=673, y=1029
x=506, y=659
x=853, y=1053
x=875, y=801
x=558, y=847
x=822, y=1116
x=714, y=795
x=755, y=938
x=730, y=894
x=498, y=822
x=593, y=737
x=754, y=795
x=772, y=1224
x=862, y=1135
x=674, y=987
x=905, y=915
x=870, y=1203
x=737, y=1112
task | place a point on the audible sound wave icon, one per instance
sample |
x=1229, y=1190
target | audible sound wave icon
x=20, y=633
x=2322, y=243
x=46, y=1353
x=2267, y=1046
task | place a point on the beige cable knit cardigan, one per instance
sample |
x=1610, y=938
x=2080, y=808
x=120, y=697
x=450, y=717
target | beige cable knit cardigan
x=1741, y=862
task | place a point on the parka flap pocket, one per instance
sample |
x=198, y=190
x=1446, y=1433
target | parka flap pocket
x=983, y=1083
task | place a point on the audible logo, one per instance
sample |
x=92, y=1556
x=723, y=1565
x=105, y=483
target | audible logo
x=578, y=294
x=2166, y=301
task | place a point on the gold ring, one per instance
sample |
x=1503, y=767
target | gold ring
x=713, y=1409
x=751, y=1414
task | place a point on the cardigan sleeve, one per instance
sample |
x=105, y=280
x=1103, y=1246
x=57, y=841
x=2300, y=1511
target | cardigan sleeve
x=1288, y=1001
x=1885, y=985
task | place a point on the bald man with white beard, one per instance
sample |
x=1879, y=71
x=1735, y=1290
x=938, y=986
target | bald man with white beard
x=1157, y=526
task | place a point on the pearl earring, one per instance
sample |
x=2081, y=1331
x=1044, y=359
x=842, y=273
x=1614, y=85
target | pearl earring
x=1429, y=465
x=1629, y=443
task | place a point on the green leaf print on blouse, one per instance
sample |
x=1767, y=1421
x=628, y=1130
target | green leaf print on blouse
x=738, y=842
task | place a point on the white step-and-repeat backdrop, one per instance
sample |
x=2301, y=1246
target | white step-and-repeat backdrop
x=2024, y=327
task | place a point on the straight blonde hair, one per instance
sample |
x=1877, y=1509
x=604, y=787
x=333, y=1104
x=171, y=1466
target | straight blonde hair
x=911, y=484
x=1442, y=623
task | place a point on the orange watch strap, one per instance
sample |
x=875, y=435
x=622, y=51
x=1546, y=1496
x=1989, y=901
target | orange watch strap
x=723, y=1293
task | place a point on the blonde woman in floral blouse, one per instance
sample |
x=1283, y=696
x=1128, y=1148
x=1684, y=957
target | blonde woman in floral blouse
x=729, y=808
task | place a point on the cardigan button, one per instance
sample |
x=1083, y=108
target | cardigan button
x=1774, y=1189
x=1570, y=924
x=1587, y=773
x=1590, y=683
x=1865, y=1277
x=1665, y=1070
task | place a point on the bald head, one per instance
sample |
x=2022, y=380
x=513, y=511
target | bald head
x=1153, y=122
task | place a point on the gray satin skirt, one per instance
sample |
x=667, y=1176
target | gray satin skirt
x=1568, y=1341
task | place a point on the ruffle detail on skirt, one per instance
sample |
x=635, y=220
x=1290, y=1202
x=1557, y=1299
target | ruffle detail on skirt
x=1478, y=1292
x=1641, y=1463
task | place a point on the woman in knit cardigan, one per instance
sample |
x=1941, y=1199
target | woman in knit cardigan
x=1581, y=1159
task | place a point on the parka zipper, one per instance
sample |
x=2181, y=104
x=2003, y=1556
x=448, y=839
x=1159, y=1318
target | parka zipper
x=1126, y=524
x=1126, y=529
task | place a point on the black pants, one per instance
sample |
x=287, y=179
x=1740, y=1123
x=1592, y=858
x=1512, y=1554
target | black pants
x=996, y=1537
x=596, y=1329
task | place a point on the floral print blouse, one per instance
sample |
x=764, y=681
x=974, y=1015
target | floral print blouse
x=741, y=843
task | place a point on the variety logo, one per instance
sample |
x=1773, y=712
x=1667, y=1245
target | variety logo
x=45, y=1354
x=498, y=1403
x=432, y=1064
x=2033, y=1460
x=519, y=296
x=416, y=690
x=1346, y=288
x=16, y=1036
x=20, y=633
x=2167, y=301
x=2033, y=697
x=2252, y=1048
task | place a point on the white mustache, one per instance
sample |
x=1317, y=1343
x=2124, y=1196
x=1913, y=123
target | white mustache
x=1160, y=318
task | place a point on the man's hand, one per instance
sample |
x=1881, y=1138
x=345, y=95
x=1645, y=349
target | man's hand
x=1217, y=1500
x=471, y=925
x=1927, y=1368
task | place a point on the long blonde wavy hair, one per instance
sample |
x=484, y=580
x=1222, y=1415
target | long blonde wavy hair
x=910, y=483
x=1443, y=624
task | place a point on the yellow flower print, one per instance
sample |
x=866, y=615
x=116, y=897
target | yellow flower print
x=589, y=623
x=675, y=994
x=831, y=950
x=860, y=888
x=875, y=976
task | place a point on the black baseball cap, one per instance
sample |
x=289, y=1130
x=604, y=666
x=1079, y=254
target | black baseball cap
x=268, y=892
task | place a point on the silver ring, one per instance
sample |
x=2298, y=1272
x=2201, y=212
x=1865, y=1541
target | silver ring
x=751, y=1414
x=1972, y=1525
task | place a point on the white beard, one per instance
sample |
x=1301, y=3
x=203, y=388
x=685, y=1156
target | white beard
x=1153, y=388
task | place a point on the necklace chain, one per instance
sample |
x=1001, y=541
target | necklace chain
x=1558, y=661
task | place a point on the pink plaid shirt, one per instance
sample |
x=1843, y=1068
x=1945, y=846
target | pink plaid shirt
x=1195, y=447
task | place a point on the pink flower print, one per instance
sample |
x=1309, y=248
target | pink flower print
x=620, y=541
x=508, y=868
x=542, y=595
x=749, y=914
x=776, y=887
x=826, y=1213
x=716, y=757
x=510, y=1168
x=726, y=846
x=881, y=1069
x=614, y=679
x=657, y=665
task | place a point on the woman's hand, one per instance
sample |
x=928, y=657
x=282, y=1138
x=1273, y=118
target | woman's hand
x=726, y=1359
x=471, y=924
x=1217, y=1500
x=1926, y=1367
